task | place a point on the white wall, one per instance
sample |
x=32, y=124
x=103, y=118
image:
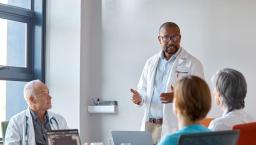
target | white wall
x=90, y=68
x=63, y=58
x=98, y=48
x=219, y=33
x=73, y=73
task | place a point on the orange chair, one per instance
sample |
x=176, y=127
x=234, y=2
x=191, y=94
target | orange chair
x=247, y=133
x=206, y=121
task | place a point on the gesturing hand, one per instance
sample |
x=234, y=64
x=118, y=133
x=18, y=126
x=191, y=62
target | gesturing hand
x=167, y=97
x=136, y=98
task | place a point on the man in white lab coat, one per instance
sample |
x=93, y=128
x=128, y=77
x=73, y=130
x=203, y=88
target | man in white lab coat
x=160, y=73
x=29, y=127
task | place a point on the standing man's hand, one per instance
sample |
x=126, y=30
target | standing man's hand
x=167, y=97
x=136, y=98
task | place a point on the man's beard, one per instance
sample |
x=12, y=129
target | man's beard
x=171, y=49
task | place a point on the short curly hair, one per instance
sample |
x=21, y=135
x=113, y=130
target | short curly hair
x=169, y=24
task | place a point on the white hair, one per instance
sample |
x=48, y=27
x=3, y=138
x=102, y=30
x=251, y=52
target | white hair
x=29, y=89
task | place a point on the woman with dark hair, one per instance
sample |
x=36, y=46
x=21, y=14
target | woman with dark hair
x=230, y=90
x=192, y=102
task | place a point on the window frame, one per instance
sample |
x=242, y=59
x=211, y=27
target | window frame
x=35, y=52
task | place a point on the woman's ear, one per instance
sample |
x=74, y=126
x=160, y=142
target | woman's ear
x=175, y=109
x=217, y=96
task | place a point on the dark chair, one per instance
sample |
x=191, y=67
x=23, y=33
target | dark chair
x=210, y=138
x=4, y=125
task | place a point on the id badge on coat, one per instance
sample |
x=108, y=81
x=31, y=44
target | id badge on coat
x=183, y=68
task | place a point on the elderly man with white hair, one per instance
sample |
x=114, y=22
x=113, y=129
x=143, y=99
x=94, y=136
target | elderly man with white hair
x=29, y=127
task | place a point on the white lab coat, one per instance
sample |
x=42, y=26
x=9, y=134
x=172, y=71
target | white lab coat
x=228, y=120
x=184, y=62
x=16, y=130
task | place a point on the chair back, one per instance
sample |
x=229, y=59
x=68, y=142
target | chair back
x=4, y=125
x=210, y=138
x=247, y=133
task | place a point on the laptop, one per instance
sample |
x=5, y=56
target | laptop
x=63, y=137
x=210, y=138
x=132, y=138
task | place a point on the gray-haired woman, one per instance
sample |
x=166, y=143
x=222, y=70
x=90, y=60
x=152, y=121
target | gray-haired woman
x=230, y=90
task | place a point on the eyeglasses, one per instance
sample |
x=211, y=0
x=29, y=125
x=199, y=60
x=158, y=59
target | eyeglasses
x=173, y=38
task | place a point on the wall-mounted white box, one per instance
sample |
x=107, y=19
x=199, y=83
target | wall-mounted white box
x=102, y=109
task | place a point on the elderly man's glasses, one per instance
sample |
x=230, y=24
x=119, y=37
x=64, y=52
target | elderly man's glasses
x=173, y=38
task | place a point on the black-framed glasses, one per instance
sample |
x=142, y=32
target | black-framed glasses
x=173, y=38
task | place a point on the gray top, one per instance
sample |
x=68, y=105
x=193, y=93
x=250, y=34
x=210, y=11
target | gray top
x=40, y=128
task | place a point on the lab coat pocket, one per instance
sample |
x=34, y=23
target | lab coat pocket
x=182, y=70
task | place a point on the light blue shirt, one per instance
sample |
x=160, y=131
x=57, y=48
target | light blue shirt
x=160, y=83
x=172, y=139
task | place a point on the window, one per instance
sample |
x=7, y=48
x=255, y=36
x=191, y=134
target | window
x=22, y=42
x=12, y=31
x=24, y=4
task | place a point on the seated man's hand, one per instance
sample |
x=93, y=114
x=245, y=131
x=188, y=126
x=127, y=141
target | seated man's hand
x=136, y=98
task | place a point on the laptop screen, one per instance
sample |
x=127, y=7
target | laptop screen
x=132, y=137
x=63, y=137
